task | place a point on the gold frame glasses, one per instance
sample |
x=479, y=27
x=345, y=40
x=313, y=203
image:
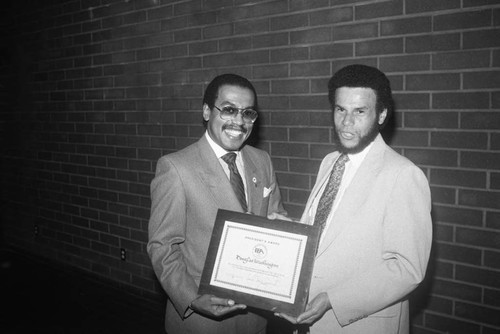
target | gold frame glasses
x=229, y=112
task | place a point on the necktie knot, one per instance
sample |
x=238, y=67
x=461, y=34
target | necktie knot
x=229, y=158
x=343, y=159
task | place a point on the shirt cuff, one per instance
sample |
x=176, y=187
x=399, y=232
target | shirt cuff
x=188, y=311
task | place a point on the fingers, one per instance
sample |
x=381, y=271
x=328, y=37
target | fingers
x=236, y=307
x=215, y=306
x=315, y=309
x=272, y=216
x=221, y=301
x=307, y=318
x=225, y=302
x=223, y=306
x=287, y=317
x=275, y=215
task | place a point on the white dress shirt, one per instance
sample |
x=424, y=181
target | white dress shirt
x=351, y=167
x=220, y=152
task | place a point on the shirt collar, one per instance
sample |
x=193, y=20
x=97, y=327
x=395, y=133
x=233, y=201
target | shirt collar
x=357, y=158
x=218, y=150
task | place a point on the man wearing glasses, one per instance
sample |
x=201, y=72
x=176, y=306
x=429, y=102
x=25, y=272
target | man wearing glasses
x=218, y=171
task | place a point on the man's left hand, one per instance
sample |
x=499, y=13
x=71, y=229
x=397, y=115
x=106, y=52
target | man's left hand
x=315, y=309
x=275, y=215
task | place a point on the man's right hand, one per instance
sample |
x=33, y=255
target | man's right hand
x=275, y=215
x=213, y=306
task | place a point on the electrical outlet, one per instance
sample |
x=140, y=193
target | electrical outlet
x=36, y=230
x=123, y=254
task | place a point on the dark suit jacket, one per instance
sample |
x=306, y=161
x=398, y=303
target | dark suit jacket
x=188, y=189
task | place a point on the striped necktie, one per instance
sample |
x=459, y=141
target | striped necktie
x=328, y=197
x=235, y=179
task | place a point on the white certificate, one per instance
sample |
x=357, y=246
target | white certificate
x=262, y=263
x=259, y=261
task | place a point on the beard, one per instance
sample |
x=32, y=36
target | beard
x=364, y=140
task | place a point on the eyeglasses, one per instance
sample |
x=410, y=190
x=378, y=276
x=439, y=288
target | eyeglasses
x=228, y=112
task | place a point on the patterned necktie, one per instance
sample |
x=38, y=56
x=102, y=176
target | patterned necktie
x=235, y=179
x=328, y=197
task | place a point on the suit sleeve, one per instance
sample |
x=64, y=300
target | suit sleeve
x=167, y=227
x=407, y=236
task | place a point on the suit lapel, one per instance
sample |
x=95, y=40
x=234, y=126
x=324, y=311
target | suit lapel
x=254, y=183
x=355, y=193
x=307, y=217
x=213, y=177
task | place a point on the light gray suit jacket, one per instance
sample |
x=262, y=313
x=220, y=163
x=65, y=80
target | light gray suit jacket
x=188, y=189
x=376, y=249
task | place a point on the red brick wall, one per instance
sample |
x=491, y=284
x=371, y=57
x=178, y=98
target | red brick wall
x=95, y=91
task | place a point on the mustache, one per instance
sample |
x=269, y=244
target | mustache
x=241, y=128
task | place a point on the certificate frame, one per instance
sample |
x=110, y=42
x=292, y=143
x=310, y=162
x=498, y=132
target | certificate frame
x=256, y=279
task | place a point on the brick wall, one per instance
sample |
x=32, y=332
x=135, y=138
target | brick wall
x=95, y=91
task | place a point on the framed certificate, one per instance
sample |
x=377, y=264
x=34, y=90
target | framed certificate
x=266, y=264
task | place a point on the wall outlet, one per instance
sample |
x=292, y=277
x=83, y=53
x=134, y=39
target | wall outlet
x=123, y=254
x=36, y=229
